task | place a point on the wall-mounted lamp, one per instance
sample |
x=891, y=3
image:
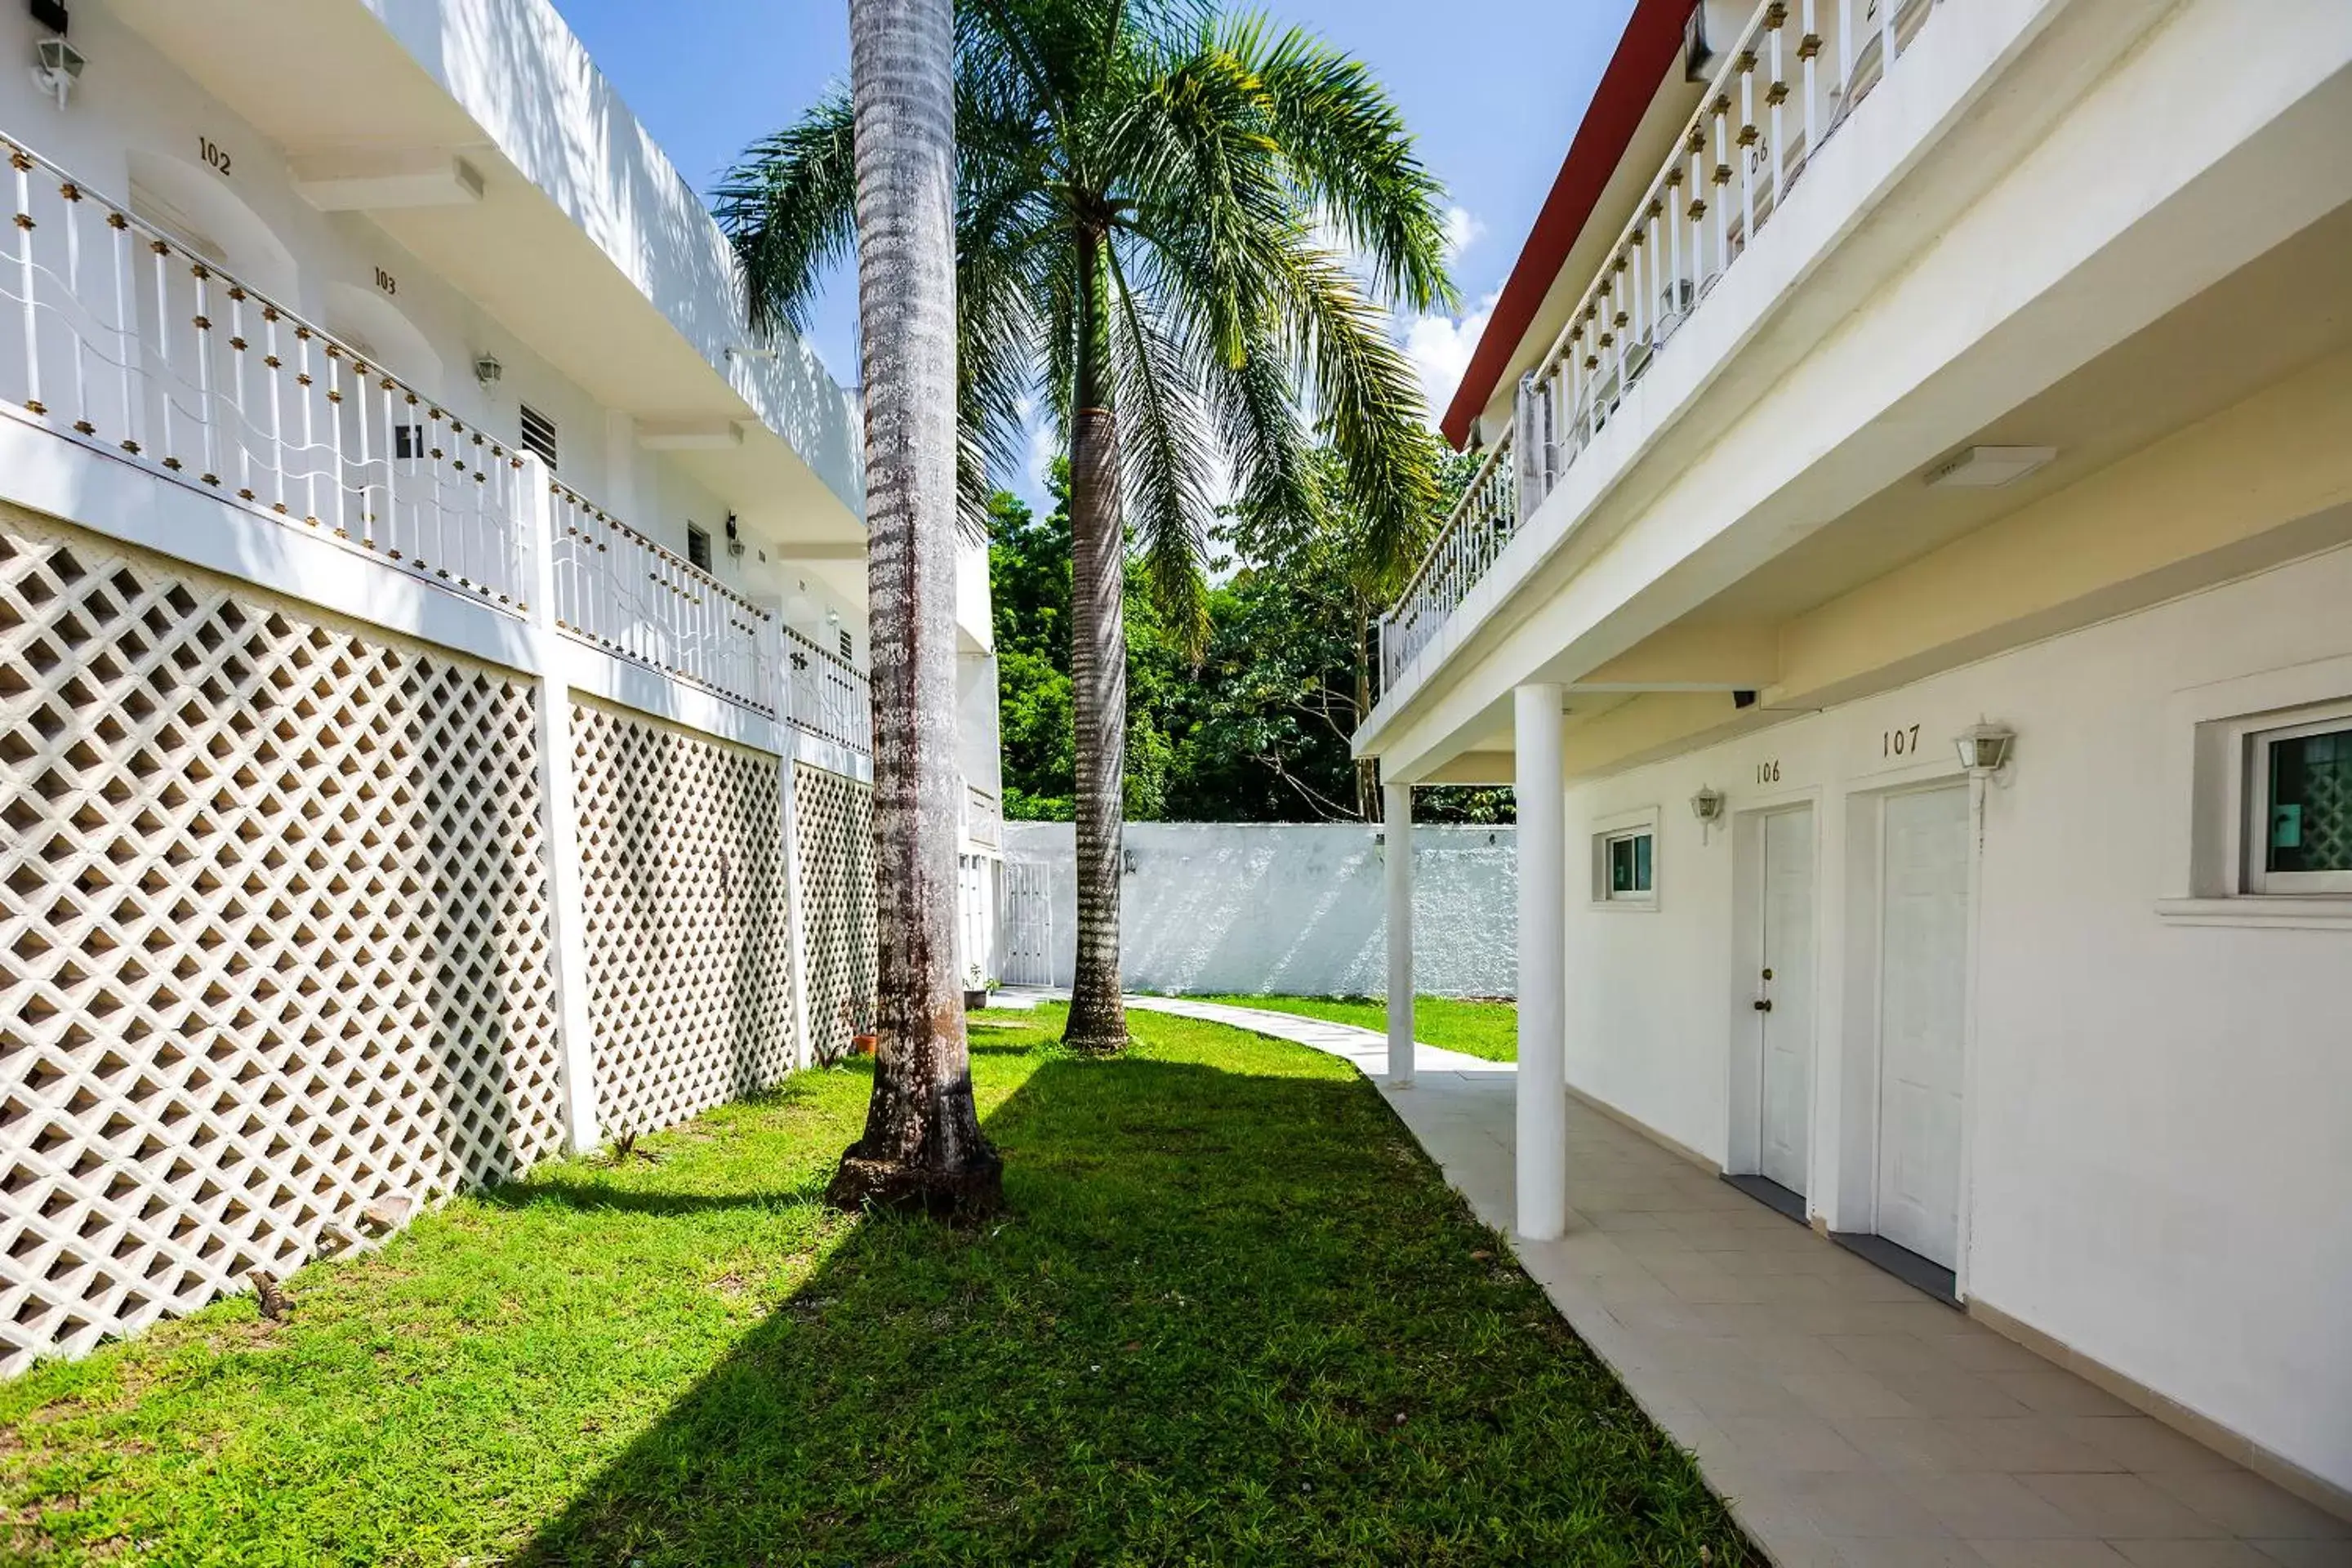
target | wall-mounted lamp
x=734, y=538
x=1984, y=748
x=56, y=66
x=487, y=369
x=1707, y=806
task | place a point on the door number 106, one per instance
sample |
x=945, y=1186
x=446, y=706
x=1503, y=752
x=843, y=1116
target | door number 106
x=1898, y=742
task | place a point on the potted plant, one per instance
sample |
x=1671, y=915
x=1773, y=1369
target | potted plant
x=975, y=989
x=863, y=1038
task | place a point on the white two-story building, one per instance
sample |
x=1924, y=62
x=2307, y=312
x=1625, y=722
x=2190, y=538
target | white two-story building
x=432, y=643
x=1910, y=587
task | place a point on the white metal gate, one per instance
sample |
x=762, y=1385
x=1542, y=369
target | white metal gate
x=972, y=944
x=1026, y=913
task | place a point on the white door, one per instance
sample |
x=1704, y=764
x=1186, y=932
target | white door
x=1784, y=1130
x=1922, y=1000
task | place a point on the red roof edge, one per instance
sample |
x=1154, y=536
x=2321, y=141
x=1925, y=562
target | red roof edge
x=1653, y=36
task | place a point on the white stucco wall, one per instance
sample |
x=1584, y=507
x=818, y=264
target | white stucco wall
x=1293, y=909
x=2158, y=1163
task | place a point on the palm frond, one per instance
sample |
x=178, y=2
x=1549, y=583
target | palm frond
x=789, y=206
x=1366, y=397
x=1162, y=449
x=1348, y=147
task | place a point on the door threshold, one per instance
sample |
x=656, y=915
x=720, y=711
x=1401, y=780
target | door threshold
x=1922, y=1274
x=1772, y=1195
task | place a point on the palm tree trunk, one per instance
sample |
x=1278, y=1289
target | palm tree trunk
x=1098, y=1019
x=922, y=1146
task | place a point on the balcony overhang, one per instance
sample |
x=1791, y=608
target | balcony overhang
x=1771, y=489
x=376, y=180
x=582, y=240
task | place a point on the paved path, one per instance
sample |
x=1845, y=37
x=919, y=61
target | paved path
x=1849, y=1421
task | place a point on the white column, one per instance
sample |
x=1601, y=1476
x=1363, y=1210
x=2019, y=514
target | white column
x=559, y=822
x=1396, y=799
x=795, y=917
x=1542, y=1133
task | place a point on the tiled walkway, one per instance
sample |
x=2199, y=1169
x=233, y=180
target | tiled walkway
x=1848, y=1419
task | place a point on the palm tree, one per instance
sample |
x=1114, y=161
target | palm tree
x=1179, y=235
x=922, y=1146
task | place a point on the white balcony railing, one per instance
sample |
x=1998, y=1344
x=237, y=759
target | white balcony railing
x=114, y=335
x=1738, y=160
x=619, y=591
x=826, y=695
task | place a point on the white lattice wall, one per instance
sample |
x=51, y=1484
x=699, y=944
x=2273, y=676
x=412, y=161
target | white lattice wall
x=835, y=829
x=686, y=920
x=273, y=934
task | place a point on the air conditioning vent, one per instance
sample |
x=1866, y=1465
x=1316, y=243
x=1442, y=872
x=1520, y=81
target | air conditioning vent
x=538, y=435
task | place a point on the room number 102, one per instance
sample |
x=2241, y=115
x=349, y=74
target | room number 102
x=1899, y=742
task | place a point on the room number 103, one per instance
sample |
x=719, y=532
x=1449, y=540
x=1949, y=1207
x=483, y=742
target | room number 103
x=1899, y=742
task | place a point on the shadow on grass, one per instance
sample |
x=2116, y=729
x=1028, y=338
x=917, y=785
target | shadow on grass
x=590, y=1198
x=1226, y=1317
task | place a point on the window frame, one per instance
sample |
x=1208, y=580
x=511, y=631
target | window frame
x=2255, y=740
x=1625, y=827
x=697, y=534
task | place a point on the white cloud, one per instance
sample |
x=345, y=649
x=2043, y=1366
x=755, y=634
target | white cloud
x=1440, y=348
x=1043, y=449
x=1462, y=231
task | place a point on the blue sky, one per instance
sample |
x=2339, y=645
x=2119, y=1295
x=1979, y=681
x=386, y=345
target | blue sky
x=1493, y=89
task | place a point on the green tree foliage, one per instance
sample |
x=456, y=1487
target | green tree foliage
x=1256, y=731
x=1029, y=571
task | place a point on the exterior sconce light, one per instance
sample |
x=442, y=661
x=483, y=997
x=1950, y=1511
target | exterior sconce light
x=56, y=66
x=1984, y=748
x=486, y=370
x=1707, y=806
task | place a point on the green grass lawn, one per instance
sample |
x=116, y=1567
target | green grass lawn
x=1488, y=1029
x=1230, y=1315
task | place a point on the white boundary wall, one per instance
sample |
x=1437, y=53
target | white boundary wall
x=1292, y=909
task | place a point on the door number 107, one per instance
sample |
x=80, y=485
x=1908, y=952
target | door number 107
x=1898, y=742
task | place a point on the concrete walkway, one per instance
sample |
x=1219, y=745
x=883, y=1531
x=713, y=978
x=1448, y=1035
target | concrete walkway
x=1849, y=1420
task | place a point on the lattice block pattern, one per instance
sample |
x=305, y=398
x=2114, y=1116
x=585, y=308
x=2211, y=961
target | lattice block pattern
x=274, y=935
x=835, y=824
x=685, y=919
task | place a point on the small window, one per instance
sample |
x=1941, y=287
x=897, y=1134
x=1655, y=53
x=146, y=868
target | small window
x=1631, y=865
x=1625, y=861
x=408, y=442
x=846, y=646
x=2299, y=801
x=698, y=546
x=538, y=435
